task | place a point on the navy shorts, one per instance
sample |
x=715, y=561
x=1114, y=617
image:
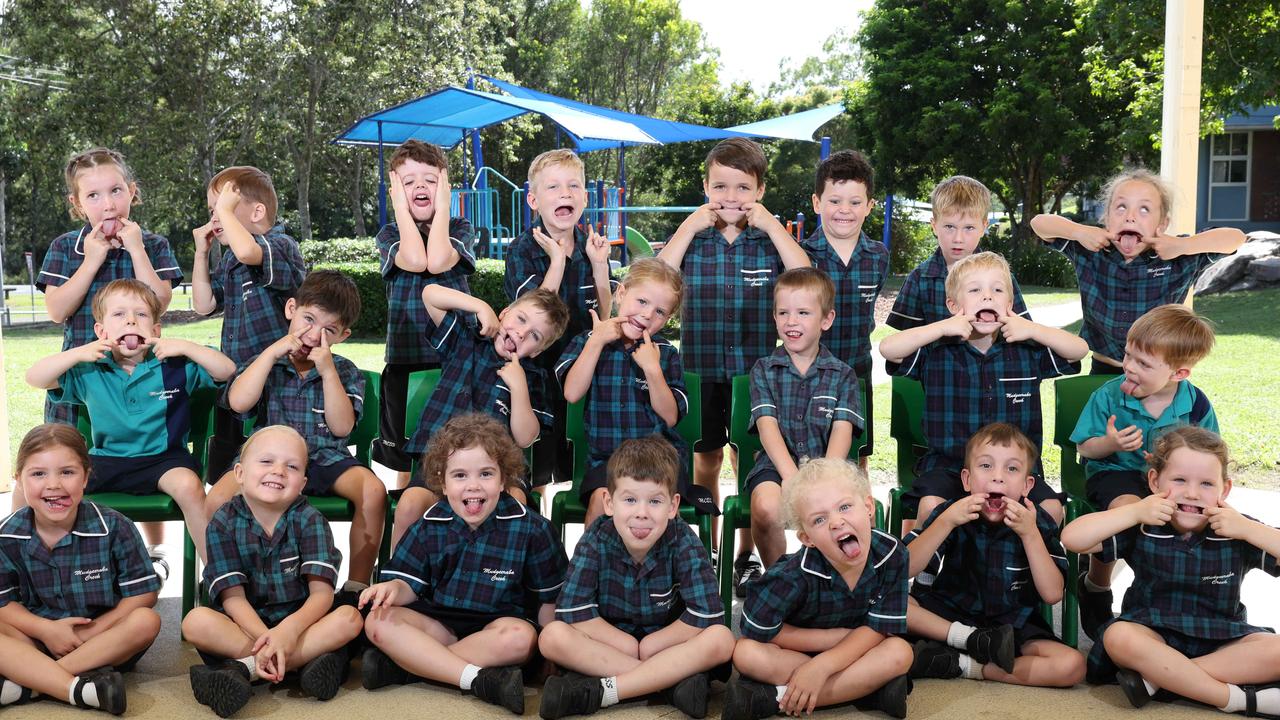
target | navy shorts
x=717, y=399
x=1035, y=628
x=771, y=475
x=136, y=475
x=946, y=484
x=1101, y=489
x=461, y=623
x=321, y=478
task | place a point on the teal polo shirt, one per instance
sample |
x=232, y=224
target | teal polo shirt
x=1190, y=406
x=136, y=414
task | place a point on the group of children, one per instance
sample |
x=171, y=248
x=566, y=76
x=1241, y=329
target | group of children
x=479, y=586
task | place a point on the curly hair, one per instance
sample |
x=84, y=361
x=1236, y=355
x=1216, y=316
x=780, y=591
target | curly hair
x=469, y=431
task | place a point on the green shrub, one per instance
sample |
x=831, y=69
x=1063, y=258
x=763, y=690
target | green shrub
x=486, y=283
x=373, y=295
x=1030, y=259
x=339, y=250
x=910, y=241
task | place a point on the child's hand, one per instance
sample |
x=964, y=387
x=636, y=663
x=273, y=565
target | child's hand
x=965, y=510
x=607, y=330
x=287, y=345
x=228, y=199
x=647, y=356
x=489, y=323
x=549, y=246
x=803, y=687
x=597, y=247
x=1165, y=245
x=94, y=351
x=378, y=596
x=204, y=236
x=1093, y=238
x=513, y=372
x=130, y=235
x=399, y=200
x=1016, y=328
x=60, y=635
x=1227, y=522
x=443, y=198
x=95, y=246
x=1127, y=440
x=960, y=326
x=1154, y=509
x=165, y=348
x=322, y=357
x=275, y=646
x=704, y=217
x=1021, y=517
x=759, y=217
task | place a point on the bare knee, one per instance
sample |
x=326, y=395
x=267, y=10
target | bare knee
x=554, y=637
x=373, y=492
x=1121, y=641
x=196, y=626
x=349, y=619
x=766, y=513
x=143, y=624
x=720, y=643
x=376, y=626
x=897, y=654
x=517, y=636
x=750, y=655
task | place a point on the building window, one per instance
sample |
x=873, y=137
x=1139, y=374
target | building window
x=1229, y=176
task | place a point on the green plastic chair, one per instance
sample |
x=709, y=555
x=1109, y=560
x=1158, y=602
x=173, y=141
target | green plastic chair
x=637, y=244
x=566, y=506
x=906, y=429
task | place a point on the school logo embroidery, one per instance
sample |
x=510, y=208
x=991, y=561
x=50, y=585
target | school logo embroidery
x=165, y=395
x=498, y=576
x=1218, y=579
x=756, y=278
x=642, y=383
x=502, y=407
x=92, y=574
x=1017, y=398
x=1159, y=271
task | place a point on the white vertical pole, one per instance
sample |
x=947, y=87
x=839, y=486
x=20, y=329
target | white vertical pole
x=1180, y=129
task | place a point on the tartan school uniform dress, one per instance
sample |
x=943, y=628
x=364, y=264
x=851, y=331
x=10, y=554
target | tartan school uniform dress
x=965, y=389
x=65, y=255
x=407, y=324
x=923, y=297
x=984, y=578
x=1124, y=472
x=675, y=582
x=1186, y=589
x=858, y=284
x=803, y=590
x=466, y=579
x=806, y=407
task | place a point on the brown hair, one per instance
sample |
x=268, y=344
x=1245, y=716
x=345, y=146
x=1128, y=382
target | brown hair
x=811, y=279
x=95, y=157
x=1174, y=333
x=653, y=270
x=551, y=304
x=740, y=154
x=254, y=186
x=1192, y=438
x=261, y=432
x=647, y=459
x=845, y=166
x=51, y=435
x=420, y=152
x=127, y=286
x=978, y=261
x=332, y=292
x=554, y=157
x=468, y=431
x=961, y=194
x=1140, y=175
x=1004, y=435
x=816, y=471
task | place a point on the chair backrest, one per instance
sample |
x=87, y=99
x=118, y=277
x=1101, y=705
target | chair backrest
x=905, y=426
x=418, y=390
x=1070, y=395
x=365, y=431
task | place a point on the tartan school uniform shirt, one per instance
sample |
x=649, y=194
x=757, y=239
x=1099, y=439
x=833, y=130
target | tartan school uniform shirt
x=728, y=309
x=675, y=582
x=803, y=590
x=858, y=284
x=1113, y=293
x=85, y=574
x=618, y=407
x=469, y=381
x=514, y=556
x=805, y=406
x=923, y=297
x=527, y=265
x=253, y=312
x=407, y=318
x=274, y=569
x=965, y=389
x=984, y=572
x=1190, y=406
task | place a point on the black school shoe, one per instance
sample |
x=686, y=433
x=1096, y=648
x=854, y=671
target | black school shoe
x=747, y=699
x=745, y=569
x=993, y=645
x=225, y=688
x=689, y=696
x=324, y=674
x=378, y=670
x=570, y=695
x=1134, y=689
x=890, y=699
x=1251, y=700
x=1095, y=607
x=934, y=660
x=501, y=686
x=110, y=689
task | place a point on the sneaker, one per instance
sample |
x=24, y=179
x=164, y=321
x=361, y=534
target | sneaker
x=322, y=677
x=689, y=696
x=891, y=699
x=159, y=562
x=501, y=686
x=569, y=695
x=224, y=688
x=993, y=645
x=745, y=569
x=1095, y=607
x=747, y=699
x=1134, y=689
x=934, y=660
x=377, y=670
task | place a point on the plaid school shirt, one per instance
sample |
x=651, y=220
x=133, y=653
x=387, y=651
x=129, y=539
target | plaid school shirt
x=528, y=263
x=1113, y=293
x=617, y=404
x=66, y=254
x=807, y=406
x=274, y=568
x=674, y=582
x=469, y=381
x=803, y=590
x=85, y=574
x=984, y=572
x=253, y=312
x=493, y=570
x=407, y=318
x=728, y=309
x=923, y=297
x=858, y=284
x=1108, y=400
x=965, y=389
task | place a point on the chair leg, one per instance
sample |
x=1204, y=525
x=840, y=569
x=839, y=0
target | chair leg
x=384, y=548
x=728, y=534
x=704, y=530
x=190, y=574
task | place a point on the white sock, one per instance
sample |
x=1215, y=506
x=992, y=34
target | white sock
x=1092, y=586
x=1152, y=689
x=469, y=674
x=1235, y=699
x=610, y=685
x=252, y=664
x=782, y=690
x=89, y=693
x=970, y=669
x=10, y=693
x=958, y=634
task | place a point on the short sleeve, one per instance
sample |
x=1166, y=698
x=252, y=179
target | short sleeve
x=10, y=580
x=849, y=405
x=908, y=307
x=447, y=337
x=1052, y=365
x=539, y=401
x=570, y=355
x=1019, y=305
x=763, y=402
x=1210, y=419
x=522, y=273
x=912, y=366
x=462, y=237
x=1052, y=540
x=162, y=259
x=579, y=599
x=320, y=557
x=769, y=602
x=353, y=383
x=217, y=285
x=673, y=372
x=1072, y=249
x=545, y=563
x=889, y=616
x=223, y=570
x=134, y=572
x=57, y=266
x=388, y=242
x=941, y=552
x=698, y=588
x=282, y=266
x=411, y=561
x=197, y=376
x=70, y=386
x=1093, y=419
x=1261, y=559
x=1119, y=545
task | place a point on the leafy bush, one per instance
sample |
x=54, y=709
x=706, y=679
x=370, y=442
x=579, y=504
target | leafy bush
x=910, y=241
x=373, y=295
x=1030, y=259
x=339, y=250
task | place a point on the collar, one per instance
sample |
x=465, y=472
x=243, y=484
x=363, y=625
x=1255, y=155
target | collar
x=615, y=546
x=1166, y=532
x=1143, y=258
x=311, y=376
x=823, y=361
x=508, y=509
x=84, y=231
x=813, y=562
x=1184, y=398
x=621, y=344
x=579, y=237
x=240, y=507
x=89, y=523
x=818, y=241
x=751, y=232
x=935, y=266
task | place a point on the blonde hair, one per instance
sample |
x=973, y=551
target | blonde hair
x=1174, y=333
x=89, y=159
x=811, y=279
x=817, y=471
x=260, y=433
x=127, y=286
x=975, y=263
x=961, y=194
x=1139, y=175
x=253, y=184
x=1004, y=435
x=653, y=270
x=555, y=157
x=1193, y=438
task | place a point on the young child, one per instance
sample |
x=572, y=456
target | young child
x=1182, y=627
x=639, y=612
x=424, y=246
x=983, y=364
x=101, y=191
x=137, y=388
x=59, y=636
x=1000, y=557
x=818, y=629
x=960, y=208
x=804, y=402
x=1123, y=419
x=1130, y=265
x=271, y=574
x=630, y=375
x=554, y=254
x=731, y=251
x=461, y=600
x=261, y=265
x=858, y=265
x=298, y=381
x=493, y=376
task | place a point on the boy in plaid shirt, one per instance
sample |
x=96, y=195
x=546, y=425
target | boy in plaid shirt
x=1130, y=265
x=731, y=251
x=818, y=629
x=999, y=557
x=461, y=600
x=261, y=266
x=424, y=246
x=1182, y=627
x=640, y=606
x=75, y=583
x=983, y=364
x=271, y=574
